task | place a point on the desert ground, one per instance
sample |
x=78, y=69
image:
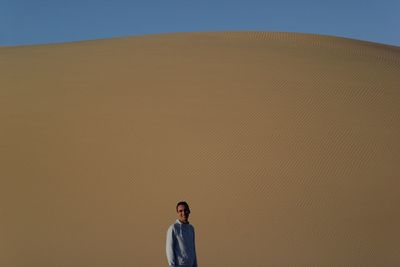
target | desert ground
x=285, y=145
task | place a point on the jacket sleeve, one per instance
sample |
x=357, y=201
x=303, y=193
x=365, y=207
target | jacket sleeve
x=194, y=246
x=170, y=247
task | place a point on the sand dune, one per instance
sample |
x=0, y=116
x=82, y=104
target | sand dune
x=285, y=145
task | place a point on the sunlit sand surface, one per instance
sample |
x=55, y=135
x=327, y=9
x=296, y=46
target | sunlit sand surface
x=285, y=145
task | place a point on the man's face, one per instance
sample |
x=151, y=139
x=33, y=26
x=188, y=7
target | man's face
x=183, y=213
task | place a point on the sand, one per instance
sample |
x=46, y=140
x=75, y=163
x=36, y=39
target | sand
x=285, y=145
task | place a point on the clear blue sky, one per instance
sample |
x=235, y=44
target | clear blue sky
x=55, y=21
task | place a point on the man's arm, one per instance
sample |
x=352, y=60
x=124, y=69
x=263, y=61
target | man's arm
x=194, y=247
x=170, y=247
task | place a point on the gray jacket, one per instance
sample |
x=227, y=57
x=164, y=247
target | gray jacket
x=180, y=245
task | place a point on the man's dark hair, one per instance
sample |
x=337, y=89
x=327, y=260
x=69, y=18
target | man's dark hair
x=182, y=203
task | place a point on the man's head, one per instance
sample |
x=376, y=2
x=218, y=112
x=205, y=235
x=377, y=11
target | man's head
x=183, y=211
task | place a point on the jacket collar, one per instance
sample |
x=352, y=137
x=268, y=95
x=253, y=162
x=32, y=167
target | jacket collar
x=180, y=223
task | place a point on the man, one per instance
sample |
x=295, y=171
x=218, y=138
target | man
x=180, y=247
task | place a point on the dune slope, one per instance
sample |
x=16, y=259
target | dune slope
x=285, y=145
